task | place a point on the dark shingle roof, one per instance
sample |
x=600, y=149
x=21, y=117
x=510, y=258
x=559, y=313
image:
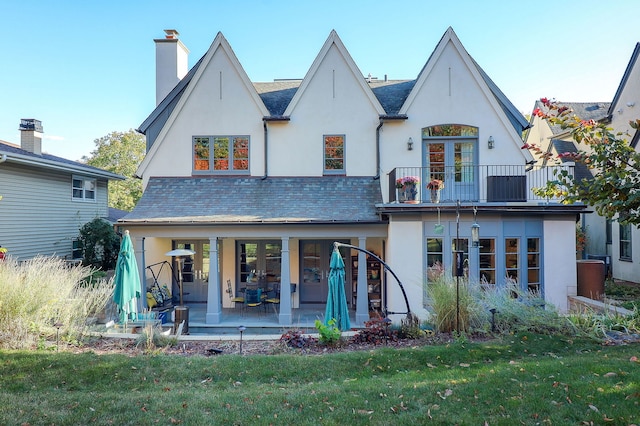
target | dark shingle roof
x=584, y=110
x=51, y=161
x=392, y=93
x=334, y=199
x=581, y=171
x=277, y=95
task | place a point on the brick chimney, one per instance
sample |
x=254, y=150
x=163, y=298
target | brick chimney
x=171, y=63
x=31, y=135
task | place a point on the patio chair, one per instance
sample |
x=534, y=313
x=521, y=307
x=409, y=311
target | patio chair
x=232, y=296
x=273, y=297
x=252, y=298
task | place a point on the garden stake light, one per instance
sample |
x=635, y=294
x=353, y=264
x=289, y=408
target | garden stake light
x=241, y=328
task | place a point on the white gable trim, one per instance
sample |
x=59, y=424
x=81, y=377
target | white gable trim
x=451, y=37
x=218, y=43
x=332, y=40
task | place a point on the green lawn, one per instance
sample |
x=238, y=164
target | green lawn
x=524, y=379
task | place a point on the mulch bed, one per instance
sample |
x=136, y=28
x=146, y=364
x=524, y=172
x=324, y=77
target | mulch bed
x=132, y=347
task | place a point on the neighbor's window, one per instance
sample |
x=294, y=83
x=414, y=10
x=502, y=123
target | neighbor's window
x=83, y=189
x=334, y=154
x=76, y=249
x=221, y=154
x=625, y=241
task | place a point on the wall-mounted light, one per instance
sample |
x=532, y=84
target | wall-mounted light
x=475, y=235
x=491, y=143
x=410, y=144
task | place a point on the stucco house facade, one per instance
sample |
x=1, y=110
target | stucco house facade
x=46, y=199
x=262, y=178
x=625, y=107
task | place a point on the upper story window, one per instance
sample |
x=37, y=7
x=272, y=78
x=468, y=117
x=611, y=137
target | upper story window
x=334, y=154
x=219, y=154
x=83, y=189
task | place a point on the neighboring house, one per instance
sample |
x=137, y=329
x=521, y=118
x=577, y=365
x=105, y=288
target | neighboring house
x=625, y=107
x=552, y=139
x=46, y=199
x=265, y=177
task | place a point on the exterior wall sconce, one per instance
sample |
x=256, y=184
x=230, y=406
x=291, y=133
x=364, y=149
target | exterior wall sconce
x=475, y=235
x=491, y=143
x=410, y=144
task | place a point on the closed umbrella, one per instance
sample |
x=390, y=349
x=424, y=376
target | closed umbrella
x=336, y=299
x=127, y=281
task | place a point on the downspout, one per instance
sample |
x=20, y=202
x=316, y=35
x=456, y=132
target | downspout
x=377, y=176
x=266, y=146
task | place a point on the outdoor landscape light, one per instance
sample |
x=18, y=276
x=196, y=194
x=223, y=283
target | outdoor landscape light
x=475, y=235
x=410, y=144
x=491, y=143
x=241, y=328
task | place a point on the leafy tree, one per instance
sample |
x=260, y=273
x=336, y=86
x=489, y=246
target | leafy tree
x=120, y=153
x=615, y=187
x=100, y=244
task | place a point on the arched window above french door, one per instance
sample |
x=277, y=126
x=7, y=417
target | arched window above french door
x=450, y=155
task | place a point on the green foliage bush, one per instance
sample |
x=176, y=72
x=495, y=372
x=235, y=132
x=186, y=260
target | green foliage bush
x=100, y=244
x=329, y=334
x=44, y=296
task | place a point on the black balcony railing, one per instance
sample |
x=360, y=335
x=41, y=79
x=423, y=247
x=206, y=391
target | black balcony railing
x=469, y=183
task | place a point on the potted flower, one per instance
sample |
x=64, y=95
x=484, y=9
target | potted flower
x=408, y=186
x=3, y=252
x=435, y=185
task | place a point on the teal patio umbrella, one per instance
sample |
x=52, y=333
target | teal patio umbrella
x=336, y=299
x=127, y=281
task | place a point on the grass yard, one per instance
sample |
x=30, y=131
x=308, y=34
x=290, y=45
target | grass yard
x=523, y=379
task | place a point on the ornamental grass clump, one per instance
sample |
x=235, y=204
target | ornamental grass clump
x=449, y=308
x=518, y=310
x=44, y=297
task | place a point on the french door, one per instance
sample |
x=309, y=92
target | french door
x=453, y=162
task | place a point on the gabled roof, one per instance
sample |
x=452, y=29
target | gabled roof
x=15, y=154
x=327, y=199
x=177, y=98
x=625, y=78
x=515, y=118
x=334, y=41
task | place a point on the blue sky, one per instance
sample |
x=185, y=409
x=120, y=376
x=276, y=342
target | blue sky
x=87, y=68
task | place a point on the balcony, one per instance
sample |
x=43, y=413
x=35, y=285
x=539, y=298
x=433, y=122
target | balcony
x=477, y=184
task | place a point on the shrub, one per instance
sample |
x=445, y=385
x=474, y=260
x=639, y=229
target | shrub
x=375, y=332
x=42, y=297
x=294, y=338
x=152, y=339
x=329, y=333
x=100, y=244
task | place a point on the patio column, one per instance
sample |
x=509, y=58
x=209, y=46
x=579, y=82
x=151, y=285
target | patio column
x=362, y=301
x=285, y=285
x=214, y=302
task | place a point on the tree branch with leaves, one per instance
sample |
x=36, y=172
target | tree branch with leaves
x=614, y=190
